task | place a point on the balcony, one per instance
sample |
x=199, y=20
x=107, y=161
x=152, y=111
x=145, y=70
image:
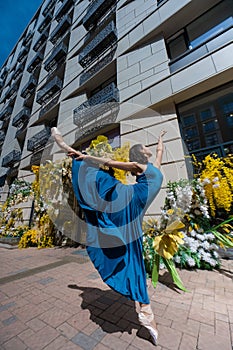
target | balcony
x=11, y=91
x=102, y=102
x=95, y=11
x=97, y=67
x=49, y=7
x=11, y=158
x=18, y=71
x=35, y=62
x=41, y=41
x=39, y=140
x=2, y=136
x=27, y=39
x=23, y=54
x=48, y=90
x=29, y=87
x=45, y=22
x=21, y=132
x=60, y=29
x=56, y=56
x=104, y=39
x=22, y=117
x=48, y=107
x=3, y=73
x=63, y=9
x=6, y=112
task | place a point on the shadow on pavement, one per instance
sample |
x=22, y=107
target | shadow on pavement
x=112, y=312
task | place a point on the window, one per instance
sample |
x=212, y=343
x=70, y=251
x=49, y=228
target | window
x=210, y=126
x=178, y=45
x=188, y=120
x=191, y=132
x=210, y=23
x=215, y=21
x=207, y=113
x=193, y=145
x=211, y=140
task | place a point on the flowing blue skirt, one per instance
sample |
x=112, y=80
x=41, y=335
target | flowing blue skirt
x=113, y=214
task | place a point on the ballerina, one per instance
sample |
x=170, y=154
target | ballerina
x=113, y=213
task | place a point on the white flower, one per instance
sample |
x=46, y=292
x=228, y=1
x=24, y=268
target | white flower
x=216, y=255
x=193, y=233
x=206, y=245
x=216, y=186
x=177, y=259
x=190, y=261
x=216, y=179
x=206, y=181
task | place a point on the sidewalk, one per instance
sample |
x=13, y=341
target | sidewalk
x=53, y=299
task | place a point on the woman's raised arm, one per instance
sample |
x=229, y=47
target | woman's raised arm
x=159, y=150
x=61, y=143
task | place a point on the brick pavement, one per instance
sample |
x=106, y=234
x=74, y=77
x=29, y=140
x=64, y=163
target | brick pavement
x=53, y=299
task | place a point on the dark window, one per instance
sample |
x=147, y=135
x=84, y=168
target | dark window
x=202, y=29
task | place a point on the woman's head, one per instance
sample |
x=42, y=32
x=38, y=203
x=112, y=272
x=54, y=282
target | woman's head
x=139, y=153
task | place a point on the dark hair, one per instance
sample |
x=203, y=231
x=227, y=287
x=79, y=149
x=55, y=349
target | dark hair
x=135, y=154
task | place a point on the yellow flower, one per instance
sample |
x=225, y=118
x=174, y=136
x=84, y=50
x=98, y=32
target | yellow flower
x=167, y=244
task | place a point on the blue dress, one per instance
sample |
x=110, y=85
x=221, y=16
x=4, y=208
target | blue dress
x=113, y=214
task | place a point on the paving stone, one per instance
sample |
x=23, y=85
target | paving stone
x=14, y=344
x=188, y=342
x=84, y=341
x=207, y=341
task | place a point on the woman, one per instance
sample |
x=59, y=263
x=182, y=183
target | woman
x=114, y=214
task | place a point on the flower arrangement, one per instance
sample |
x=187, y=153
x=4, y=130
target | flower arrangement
x=11, y=217
x=216, y=175
x=206, y=219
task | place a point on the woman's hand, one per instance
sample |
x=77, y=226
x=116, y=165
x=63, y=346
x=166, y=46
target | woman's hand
x=77, y=155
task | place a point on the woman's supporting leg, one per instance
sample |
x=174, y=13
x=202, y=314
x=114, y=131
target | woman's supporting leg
x=146, y=319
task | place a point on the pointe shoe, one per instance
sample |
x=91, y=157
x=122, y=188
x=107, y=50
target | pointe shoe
x=145, y=317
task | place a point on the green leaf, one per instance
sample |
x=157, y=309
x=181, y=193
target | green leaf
x=155, y=270
x=223, y=239
x=175, y=276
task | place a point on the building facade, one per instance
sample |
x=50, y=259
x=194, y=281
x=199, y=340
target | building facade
x=126, y=69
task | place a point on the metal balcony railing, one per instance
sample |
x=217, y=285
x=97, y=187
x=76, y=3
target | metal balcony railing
x=35, y=62
x=48, y=106
x=2, y=136
x=6, y=112
x=23, y=53
x=11, y=158
x=3, y=73
x=60, y=29
x=39, y=140
x=19, y=70
x=95, y=11
x=48, y=90
x=21, y=117
x=104, y=39
x=41, y=41
x=97, y=67
x=49, y=7
x=27, y=39
x=47, y=20
x=29, y=87
x=100, y=103
x=11, y=91
x=63, y=9
x=58, y=53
